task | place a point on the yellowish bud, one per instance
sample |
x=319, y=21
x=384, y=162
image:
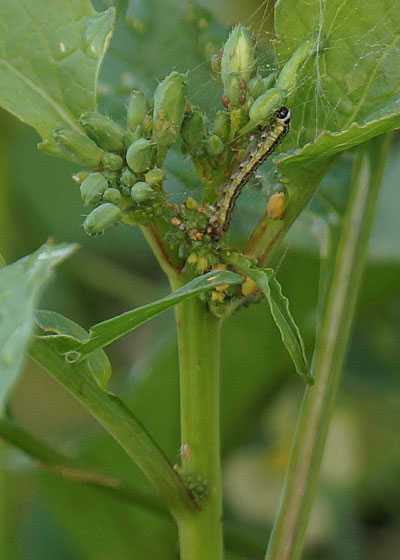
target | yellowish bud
x=217, y=297
x=248, y=286
x=276, y=206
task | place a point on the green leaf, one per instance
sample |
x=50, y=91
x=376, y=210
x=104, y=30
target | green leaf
x=20, y=286
x=351, y=85
x=279, y=306
x=50, y=55
x=97, y=364
x=104, y=333
x=347, y=92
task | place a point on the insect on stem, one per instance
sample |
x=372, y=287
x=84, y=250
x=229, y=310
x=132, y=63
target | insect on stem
x=271, y=137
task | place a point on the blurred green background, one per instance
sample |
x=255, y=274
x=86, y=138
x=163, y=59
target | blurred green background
x=357, y=510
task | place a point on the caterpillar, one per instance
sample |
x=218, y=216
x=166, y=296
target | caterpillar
x=271, y=137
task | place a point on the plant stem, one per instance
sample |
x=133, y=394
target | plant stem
x=198, y=331
x=167, y=260
x=120, y=423
x=287, y=538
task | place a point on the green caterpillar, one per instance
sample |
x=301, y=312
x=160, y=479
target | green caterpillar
x=271, y=137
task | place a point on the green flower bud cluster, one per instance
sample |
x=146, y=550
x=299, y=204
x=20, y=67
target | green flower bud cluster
x=124, y=176
x=249, y=98
x=124, y=171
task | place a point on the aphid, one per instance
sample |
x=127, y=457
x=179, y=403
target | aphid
x=271, y=137
x=185, y=452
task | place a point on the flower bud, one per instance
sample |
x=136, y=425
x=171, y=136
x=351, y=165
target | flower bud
x=141, y=192
x=221, y=125
x=104, y=131
x=147, y=124
x=214, y=145
x=276, y=206
x=77, y=147
x=193, y=128
x=266, y=104
x=102, y=218
x=139, y=155
x=80, y=176
x=137, y=109
x=269, y=81
x=256, y=86
x=249, y=286
x=111, y=176
x=112, y=195
x=237, y=60
x=233, y=91
x=169, y=106
x=127, y=177
x=154, y=176
x=238, y=117
x=288, y=74
x=93, y=187
x=111, y=161
x=131, y=136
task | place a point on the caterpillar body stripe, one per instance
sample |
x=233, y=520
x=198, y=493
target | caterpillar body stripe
x=271, y=137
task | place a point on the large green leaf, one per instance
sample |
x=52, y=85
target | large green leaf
x=345, y=94
x=20, y=286
x=351, y=85
x=50, y=55
x=104, y=333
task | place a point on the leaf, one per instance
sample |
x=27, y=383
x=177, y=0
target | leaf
x=50, y=55
x=279, y=306
x=347, y=92
x=97, y=364
x=104, y=333
x=351, y=85
x=20, y=286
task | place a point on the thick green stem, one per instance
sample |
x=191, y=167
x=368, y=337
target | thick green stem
x=288, y=533
x=200, y=532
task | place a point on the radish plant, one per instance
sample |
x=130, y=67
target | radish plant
x=323, y=91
